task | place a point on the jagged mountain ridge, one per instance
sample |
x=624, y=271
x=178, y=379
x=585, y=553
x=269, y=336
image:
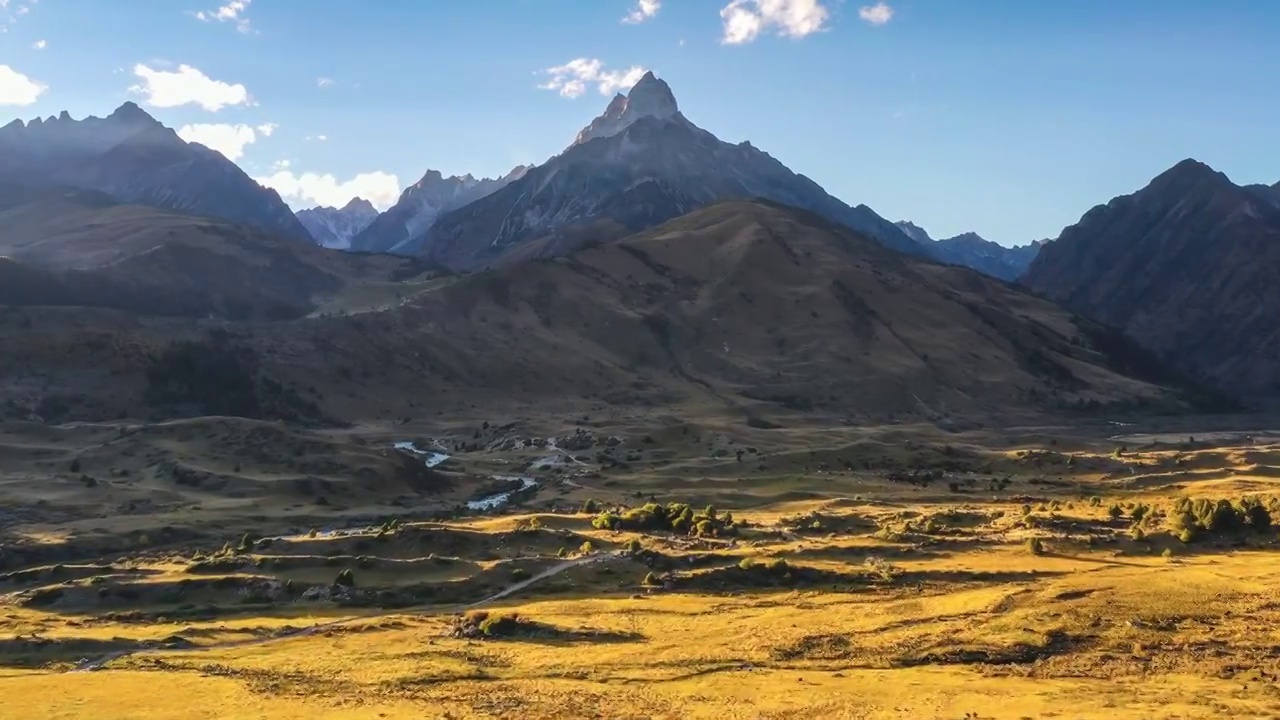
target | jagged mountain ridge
x=334, y=228
x=1186, y=266
x=638, y=164
x=972, y=250
x=135, y=159
x=399, y=228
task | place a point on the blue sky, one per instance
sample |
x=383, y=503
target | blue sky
x=1008, y=118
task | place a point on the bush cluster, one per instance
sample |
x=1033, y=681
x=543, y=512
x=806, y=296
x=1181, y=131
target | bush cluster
x=674, y=517
x=483, y=624
x=1193, y=519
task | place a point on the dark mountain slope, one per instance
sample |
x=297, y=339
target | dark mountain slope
x=1186, y=266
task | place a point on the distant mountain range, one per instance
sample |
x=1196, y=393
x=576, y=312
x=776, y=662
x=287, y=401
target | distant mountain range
x=1187, y=266
x=134, y=159
x=972, y=250
x=334, y=228
x=402, y=227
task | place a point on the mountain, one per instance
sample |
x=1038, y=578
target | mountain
x=1186, y=266
x=335, y=227
x=398, y=229
x=134, y=159
x=73, y=247
x=637, y=165
x=742, y=309
x=972, y=250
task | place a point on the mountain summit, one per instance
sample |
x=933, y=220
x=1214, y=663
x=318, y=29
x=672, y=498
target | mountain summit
x=637, y=165
x=335, y=227
x=133, y=158
x=650, y=97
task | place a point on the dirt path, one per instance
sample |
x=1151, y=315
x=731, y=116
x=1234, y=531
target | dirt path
x=99, y=663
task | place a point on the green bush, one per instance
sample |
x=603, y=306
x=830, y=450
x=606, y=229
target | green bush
x=1115, y=512
x=590, y=507
x=519, y=574
x=346, y=578
x=651, y=580
x=1035, y=546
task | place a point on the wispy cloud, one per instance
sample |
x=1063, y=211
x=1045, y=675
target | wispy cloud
x=186, y=86
x=316, y=138
x=18, y=89
x=324, y=82
x=745, y=20
x=379, y=188
x=877, y=14
x=644, y=10
x=233, y=11
x=573, y=78
x=39, y=45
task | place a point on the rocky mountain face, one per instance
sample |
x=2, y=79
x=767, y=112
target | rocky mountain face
x=637, y=165
x=972, y=250
x=134, y=159
x=401, y=228
x=1187, y=266
x=334, y=228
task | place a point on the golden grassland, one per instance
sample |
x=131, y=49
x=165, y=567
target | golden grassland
x=894, y=601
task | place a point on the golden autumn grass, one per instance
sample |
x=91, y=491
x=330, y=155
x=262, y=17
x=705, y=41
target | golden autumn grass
x=895, y=602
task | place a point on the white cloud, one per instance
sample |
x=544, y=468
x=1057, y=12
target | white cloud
x=230, y=140
x=324, y=82
x=233, y=11
x=308, y=189
x=317, y=138
x=572, y=78
x=267, y=128
x=39, y=45
x=18, y=89
x=644, y=10
x=877, y=14
x=744, y=20
x=187, y=86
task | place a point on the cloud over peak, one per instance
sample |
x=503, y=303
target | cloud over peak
x=18, y=89
x=186, y=86
x=644, y=10
x=233, y=11
x=311, y=189
x=877, y=14
x=573, y=78
x=745, y=20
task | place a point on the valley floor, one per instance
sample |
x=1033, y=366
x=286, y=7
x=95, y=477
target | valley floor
x=889, y=573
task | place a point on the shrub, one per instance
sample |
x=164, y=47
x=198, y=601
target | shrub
x=519, y=574
x=634, y=547
x=746, y=563
x=346, y=578
x=1035, y=546
x=1115, y=512
x=75, y=465
x=587, y=548
x=1137, y=533
x=651, y=580
x=313, y=533
x=1139, y=512
x=561, y=553
x=589, y=507
x=247, y=542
